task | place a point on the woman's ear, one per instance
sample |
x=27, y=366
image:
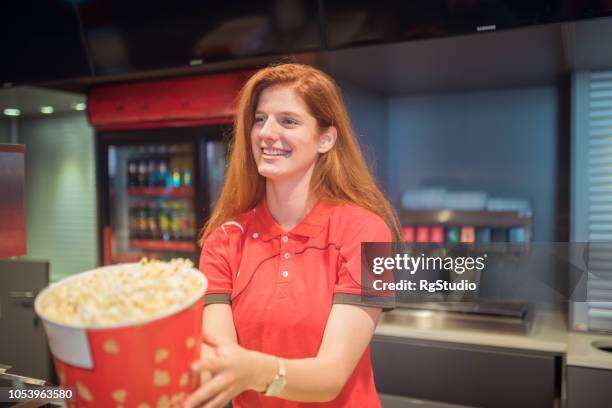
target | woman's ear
x=327, y=140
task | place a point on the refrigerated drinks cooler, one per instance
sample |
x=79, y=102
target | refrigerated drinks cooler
x=157, y=189
x=160, y=152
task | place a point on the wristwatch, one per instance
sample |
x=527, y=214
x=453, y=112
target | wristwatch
x=278, y=384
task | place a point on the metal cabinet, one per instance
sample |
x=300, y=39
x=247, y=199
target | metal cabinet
x=588, y=387
x=466, y=374
x=23, y=344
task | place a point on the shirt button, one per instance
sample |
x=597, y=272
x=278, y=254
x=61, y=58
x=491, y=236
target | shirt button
x=285, y=274
x=287, y=255
x=285, y=238
x=255, y=235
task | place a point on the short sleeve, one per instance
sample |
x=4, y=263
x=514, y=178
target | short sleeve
x=354, y=283
x=215, y=265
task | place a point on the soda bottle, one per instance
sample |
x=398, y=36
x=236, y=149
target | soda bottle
x=186, y=223
x=175, y=222
x=187, y=178
x=133, y=222
x=143, y=173
x=189, y=227
x=152, y=227
x=132, y=173
x=176, y=177
x=163, y=174
x=143, y=230
x=164, y=222
x=152, y=173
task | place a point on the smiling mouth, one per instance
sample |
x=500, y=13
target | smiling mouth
x=273, y=152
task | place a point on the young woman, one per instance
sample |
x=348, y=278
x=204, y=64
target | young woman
x=285, y=320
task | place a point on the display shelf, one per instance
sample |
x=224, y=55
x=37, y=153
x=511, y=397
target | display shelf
x=457, y=218
x=160, y=191
x=159, y=245
x=509, y=250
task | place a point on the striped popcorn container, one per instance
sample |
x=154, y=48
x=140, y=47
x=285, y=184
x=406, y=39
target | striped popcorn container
x=127, y=359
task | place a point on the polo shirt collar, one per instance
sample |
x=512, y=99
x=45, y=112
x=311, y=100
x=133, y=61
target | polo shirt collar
x=309, y=227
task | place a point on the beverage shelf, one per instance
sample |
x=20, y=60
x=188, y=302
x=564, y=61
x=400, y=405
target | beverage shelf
x=158, y=245
x=460, y=218
x=160, y=191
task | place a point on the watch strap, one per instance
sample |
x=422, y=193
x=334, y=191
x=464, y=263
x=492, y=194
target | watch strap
x=278, y=384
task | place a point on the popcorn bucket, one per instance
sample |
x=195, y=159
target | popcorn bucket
x=140, y=364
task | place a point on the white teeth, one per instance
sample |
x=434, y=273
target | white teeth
x=274, y=152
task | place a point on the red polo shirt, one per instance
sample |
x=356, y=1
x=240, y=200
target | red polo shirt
x=282, y=285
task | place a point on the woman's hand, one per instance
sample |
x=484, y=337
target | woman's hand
x=232, y=369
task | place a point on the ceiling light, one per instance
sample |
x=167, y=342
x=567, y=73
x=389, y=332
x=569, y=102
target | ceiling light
x=81, y=106
x=47, y=109
x=12, y=112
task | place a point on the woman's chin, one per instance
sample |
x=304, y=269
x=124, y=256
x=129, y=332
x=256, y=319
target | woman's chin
x=270, y=172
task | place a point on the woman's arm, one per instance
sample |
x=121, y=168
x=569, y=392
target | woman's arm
x=235, y=369
x=348, y=332
x=218, y=325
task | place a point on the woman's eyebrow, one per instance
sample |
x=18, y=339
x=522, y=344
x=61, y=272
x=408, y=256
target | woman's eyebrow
x=293, y=114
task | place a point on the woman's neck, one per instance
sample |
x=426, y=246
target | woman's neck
x=289, y=201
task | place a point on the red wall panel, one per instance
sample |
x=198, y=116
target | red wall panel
x=12, y=202
x=208, y=98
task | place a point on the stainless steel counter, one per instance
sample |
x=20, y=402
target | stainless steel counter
x=547, y=332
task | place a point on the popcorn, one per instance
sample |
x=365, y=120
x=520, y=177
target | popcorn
x=126, y=294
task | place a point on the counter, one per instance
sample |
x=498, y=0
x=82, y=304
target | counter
x=581, y=353
x=548, y=333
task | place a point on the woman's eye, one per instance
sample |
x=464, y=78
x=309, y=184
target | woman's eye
x=289, y=121
x=259, y=119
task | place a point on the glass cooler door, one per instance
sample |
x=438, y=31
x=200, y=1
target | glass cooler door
x=152, y=202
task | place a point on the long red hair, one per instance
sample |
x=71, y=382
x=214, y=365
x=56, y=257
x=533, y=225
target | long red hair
x=341, y=175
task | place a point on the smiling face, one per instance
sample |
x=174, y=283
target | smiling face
x=286, y=139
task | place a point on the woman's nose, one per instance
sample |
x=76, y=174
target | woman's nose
x=269, y=131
